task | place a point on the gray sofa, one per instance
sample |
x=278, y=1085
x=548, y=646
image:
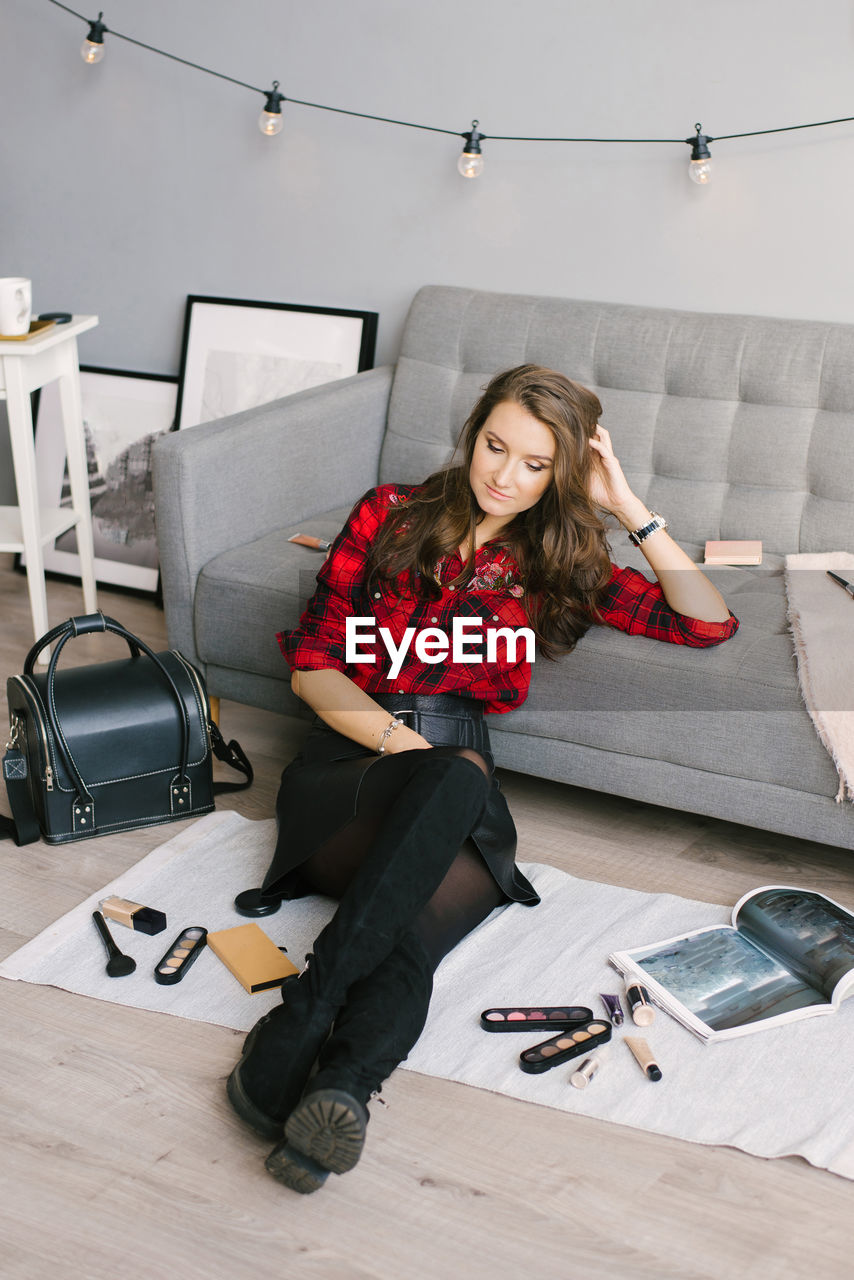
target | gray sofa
x=732, y=426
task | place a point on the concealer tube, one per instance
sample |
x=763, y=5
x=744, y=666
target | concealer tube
x=643, y=1057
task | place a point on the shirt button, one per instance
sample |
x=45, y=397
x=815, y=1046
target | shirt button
x=452, y=587
x=377, y=595
x=434, y=619
x=495, y=617
x=401, y=691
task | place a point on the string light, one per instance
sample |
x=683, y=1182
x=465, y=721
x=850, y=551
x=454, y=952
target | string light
x=470, y=163
x=270, y=120
x=92, y=48
x=700, y=164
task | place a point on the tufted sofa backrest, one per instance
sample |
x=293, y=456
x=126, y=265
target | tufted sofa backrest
x=733, y=426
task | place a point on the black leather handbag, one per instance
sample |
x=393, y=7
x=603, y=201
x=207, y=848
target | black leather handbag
x=110, y=747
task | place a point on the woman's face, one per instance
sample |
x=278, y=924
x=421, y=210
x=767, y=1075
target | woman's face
x=512, y=464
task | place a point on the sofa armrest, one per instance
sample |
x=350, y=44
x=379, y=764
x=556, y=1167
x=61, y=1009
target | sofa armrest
x=229, y=482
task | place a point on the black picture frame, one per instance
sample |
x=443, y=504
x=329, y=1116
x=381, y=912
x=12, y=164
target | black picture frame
x=123, y=411
x=237, y=353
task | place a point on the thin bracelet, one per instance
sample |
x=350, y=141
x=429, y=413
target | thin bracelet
x=386, y=734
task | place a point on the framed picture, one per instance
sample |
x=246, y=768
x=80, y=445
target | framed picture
x=123, y=412
x=238, y=354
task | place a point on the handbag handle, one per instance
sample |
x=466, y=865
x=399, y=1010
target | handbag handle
x=82, y=625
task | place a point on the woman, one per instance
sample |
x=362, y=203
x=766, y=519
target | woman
x=392, y=806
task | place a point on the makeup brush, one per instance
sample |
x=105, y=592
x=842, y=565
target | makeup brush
x=118, y=965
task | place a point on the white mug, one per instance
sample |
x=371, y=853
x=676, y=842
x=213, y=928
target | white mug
x=16, y=300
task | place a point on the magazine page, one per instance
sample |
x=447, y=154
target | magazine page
x=813, y=933
x=725, y=983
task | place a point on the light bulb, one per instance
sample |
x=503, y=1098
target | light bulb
x=92, y=49
x=700, y=171
x=270, y=122
x=91, y=52
x=700, y=164
x=470, y=163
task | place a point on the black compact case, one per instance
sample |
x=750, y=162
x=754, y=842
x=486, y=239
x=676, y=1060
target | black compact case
x=540, y=1017
x=569, y=1044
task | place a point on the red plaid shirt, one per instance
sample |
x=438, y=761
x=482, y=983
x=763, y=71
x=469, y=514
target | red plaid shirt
x=494, y=596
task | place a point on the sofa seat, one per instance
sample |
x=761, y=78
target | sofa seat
x=629, y=694
x=268, y=582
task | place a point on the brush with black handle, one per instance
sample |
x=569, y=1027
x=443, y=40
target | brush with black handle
x=845, y=585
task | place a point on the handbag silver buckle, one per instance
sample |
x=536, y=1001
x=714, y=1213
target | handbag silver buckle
x=16, y=737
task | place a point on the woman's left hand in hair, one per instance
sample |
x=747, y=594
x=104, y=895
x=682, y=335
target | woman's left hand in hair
x=609, y=488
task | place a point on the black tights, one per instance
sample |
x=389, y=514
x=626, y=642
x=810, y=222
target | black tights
x=466, y=895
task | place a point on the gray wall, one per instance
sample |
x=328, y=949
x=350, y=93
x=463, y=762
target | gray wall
x=130, y=184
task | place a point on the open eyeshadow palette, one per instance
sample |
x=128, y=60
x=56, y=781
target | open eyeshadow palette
x=184, y=950
x=535, y=1018
x=569, y=1044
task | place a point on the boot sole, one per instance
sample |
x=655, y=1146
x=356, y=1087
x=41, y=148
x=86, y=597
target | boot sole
x=328, y=1126
x=295, y=1170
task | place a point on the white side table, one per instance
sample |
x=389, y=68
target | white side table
x=25, y=366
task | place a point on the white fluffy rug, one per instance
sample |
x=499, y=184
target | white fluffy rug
x=777, y=1093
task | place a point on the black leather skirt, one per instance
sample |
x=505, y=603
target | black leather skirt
x=320, y=789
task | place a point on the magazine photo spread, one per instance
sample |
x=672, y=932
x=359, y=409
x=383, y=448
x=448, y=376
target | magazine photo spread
x=788, y=954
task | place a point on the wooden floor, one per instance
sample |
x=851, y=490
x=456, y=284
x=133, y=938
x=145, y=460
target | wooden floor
x=121, y=1158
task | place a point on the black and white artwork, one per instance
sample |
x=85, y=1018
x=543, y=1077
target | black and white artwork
x=123, y=413
x=239, y=354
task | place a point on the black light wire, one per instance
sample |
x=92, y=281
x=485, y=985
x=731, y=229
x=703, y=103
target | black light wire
x=455, y=133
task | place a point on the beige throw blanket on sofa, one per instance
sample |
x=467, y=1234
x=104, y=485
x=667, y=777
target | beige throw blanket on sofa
x=821, y=616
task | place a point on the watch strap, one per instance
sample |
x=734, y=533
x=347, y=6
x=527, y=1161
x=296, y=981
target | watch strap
x=639, y=535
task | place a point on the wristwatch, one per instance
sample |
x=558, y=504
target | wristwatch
x=640, y=535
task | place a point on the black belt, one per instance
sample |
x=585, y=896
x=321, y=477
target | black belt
x=437, y=704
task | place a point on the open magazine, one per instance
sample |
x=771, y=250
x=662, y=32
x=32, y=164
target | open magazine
x=788, y=954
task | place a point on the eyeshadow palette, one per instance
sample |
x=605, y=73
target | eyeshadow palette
x=571, y=1043
x=539, y=1017
x=184, y=950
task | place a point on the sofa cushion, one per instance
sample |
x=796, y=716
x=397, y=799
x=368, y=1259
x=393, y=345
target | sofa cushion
x=246, y=595
x=734, y=709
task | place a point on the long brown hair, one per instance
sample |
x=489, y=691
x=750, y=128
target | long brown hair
x=559, y=543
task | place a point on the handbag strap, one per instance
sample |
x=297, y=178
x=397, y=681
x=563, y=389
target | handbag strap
x=23, y=826
x=230, y=753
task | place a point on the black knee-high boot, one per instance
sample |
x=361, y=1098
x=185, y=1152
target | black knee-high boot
x=409, y=858
x=381, y=1021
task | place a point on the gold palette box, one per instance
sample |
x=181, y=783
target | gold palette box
x=252, y=956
